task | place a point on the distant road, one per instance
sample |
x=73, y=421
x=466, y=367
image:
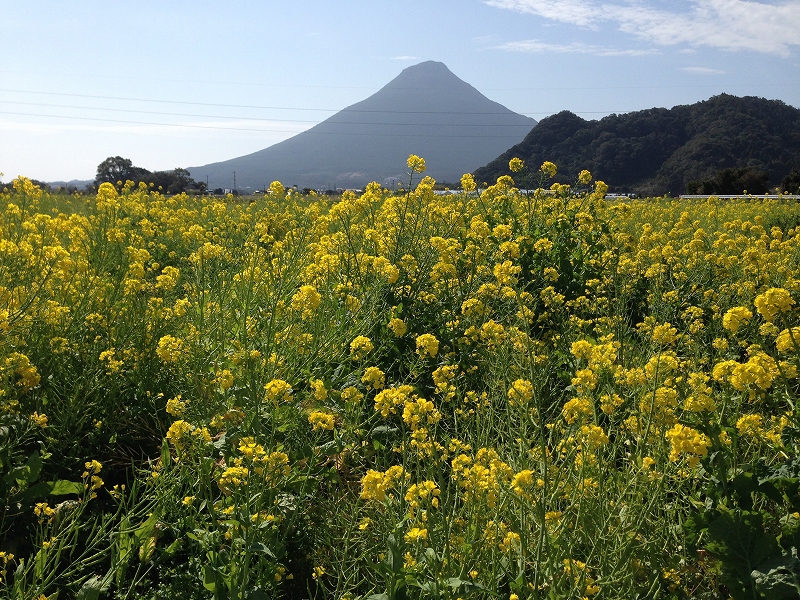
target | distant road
x=745, y=196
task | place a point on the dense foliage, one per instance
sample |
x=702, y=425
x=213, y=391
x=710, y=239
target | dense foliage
x=116, y=169
x=731, y=182
x=660, y=151
x=506, y=395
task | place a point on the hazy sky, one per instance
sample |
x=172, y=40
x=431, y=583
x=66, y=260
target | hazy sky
x=172, y=83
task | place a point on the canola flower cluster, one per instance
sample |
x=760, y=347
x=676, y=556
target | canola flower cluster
x=488, y=386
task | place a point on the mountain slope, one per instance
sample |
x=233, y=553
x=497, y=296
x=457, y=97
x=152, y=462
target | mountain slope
x=426, y=110
x=658, y=150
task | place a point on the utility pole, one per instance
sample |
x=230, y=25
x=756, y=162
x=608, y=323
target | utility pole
x=234, y=182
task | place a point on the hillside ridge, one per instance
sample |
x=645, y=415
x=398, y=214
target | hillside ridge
x=658, y=150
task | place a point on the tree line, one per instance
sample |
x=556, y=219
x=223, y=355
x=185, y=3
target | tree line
x=116, y=169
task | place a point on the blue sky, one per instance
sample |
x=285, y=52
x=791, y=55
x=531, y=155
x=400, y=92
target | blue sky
x=172, y=83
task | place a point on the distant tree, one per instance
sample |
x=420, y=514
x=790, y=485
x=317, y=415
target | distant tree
x=791, y=183
x=181, y=181
x=116, y=168
x=732, y=181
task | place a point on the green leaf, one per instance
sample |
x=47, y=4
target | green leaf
x=34, y=467
x=256, y=594
x=738, y=540
x=145, y=530
x=778, y=578
x=209, y=578
x=124, y=548
x=745, y=484
x=27, y=473
x=329, y=448
x=35, y=492
x=463, y=586
x=173, y=547
x=91, y=589
x=789, y=470
x=259, y=547
x=63, y=487
x=146, y=537
x=166, y=457
x=382, y=431
x=39, y=563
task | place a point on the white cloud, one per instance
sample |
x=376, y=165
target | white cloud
x=726, y=24
x=405, y=57
x=578, y=12
x=702, y=71
x=537, y=47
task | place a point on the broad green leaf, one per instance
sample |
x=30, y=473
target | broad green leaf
x=63, y=487
x=34, y=467
x=257, y=594
x=91, y=589
x=209, y=578
x=777, y=578
x=35, y=492
x=259, y=547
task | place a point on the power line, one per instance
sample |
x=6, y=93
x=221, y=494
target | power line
x=272, y=84
x=371, y=134
x=173, y=114
x=130, y=99
x=346, y=109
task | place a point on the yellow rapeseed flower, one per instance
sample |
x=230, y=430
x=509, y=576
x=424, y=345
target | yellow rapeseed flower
x=373, y=378
x=375, y=484
x=735, y=317
x=520, y=392
x=397, y=326
x=170, y=349
x=548, y=168
x=360, y=347
x=416, y=164
x=321, y=421
x=40, y=420
x=788, y=340
x=427, y=345
x=177, y=432
x=772, y=302
x=415, y=534
x=687, y=441
x=176, y=406
x=278, y=390
x=232, y=478
x=751, y=426
x=468, y=182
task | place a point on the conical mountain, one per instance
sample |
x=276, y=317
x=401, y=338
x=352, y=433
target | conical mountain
x=426, y=110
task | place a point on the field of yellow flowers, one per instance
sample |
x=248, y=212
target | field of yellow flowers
x=487, y=394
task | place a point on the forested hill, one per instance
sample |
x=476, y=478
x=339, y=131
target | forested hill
x=660, y=150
